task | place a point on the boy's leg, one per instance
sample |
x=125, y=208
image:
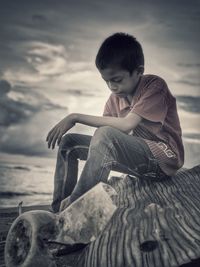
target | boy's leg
x=72, y=147
x=112, y=149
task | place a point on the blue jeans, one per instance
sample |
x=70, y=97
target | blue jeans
x=108, y=149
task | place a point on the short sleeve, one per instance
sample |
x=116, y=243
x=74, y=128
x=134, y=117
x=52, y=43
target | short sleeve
x=152, y=103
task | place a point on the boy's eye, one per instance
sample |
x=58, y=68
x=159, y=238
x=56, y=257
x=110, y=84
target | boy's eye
x=117, y=80
x=114, y=80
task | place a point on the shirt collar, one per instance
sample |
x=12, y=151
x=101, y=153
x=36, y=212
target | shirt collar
x=123, y=103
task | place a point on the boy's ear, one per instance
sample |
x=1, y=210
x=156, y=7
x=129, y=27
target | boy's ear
x=140, y=69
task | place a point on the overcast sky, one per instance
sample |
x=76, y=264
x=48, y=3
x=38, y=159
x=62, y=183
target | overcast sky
x=47, y=53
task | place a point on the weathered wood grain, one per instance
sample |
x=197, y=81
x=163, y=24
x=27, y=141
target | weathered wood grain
x=157, y=224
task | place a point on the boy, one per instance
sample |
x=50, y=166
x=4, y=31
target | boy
x=139, y=132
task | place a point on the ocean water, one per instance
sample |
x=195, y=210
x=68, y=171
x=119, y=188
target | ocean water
x=29, y=182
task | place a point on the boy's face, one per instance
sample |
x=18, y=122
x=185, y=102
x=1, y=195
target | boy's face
x=121, y=82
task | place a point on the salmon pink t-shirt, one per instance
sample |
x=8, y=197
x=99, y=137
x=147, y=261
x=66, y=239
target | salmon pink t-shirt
x=160, y=125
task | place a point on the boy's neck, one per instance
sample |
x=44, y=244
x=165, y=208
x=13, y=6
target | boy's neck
x=130, y=96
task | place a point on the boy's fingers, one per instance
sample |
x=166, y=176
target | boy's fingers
x=54, y=139
x=50, y=138
x=59, y=138
x=50, y=132
x=47, y=138
x=51, y=135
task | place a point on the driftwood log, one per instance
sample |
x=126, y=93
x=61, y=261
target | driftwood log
x=157, y=224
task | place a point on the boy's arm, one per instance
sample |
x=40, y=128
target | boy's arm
x=125, y=124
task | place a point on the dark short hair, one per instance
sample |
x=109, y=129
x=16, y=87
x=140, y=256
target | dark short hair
x=120, y=50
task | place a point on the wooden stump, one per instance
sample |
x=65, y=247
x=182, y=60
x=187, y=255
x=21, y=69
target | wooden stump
x=157, y=224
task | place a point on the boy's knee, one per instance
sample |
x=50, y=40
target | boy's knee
x=66, y=141
x=102, y=136
x=104, y=132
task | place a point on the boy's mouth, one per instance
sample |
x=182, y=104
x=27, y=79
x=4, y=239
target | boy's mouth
x=117, y=93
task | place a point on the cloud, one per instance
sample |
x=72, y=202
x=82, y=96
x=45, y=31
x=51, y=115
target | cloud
x=27, y=138
x=4, y=87
x=22, y=76
x=189, y=82
x=39, y=19
x=47, y=59
x=25, y=118
x=189, y=65
x=41, y=62
x=19, y=104
x=189, y=103
x=12, y=111
x=45, y=64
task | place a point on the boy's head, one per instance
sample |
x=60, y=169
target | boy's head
x=120, y=51
x=120, y=61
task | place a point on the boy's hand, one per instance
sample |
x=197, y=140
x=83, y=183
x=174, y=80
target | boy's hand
x=59, y=130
